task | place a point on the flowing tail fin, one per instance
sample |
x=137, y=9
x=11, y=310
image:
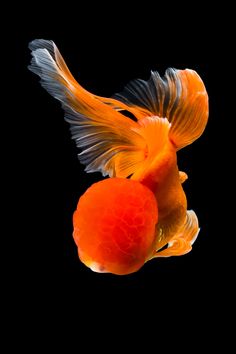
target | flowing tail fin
x=111, y=142
x=180, y=96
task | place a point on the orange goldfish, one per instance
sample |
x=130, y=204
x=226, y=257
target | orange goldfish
x=125, y=220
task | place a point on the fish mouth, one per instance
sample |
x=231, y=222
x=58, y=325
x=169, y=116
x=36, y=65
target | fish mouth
x=98, y=268
x=90, y=263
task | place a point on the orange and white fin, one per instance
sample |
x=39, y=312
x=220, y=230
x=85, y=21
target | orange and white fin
x=100, y=131
x=182, y=243
x=111, y=142
x=180, y=96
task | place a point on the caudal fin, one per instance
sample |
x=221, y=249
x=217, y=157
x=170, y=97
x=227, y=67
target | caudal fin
x=110, y=142
x=180, y=96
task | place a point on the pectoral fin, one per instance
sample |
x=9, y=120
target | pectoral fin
x=182, y=243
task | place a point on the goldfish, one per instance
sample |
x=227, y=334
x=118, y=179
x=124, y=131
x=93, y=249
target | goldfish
x=139, y=212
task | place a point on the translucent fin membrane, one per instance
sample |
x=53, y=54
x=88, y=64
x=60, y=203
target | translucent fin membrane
x=99, y=130
x=182, y=243
x=180, y=96
x=110, y=142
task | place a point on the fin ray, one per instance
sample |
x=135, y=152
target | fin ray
x=99, y=129
x=180, y=96
x=182, y=243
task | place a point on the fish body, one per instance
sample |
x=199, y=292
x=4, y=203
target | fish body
x=163, y=179
x=170, y=112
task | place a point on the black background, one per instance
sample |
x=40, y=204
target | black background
x=104, y=52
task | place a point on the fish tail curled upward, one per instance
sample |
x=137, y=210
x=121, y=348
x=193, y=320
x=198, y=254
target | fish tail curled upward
x=110, y=142
x=180, y=96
